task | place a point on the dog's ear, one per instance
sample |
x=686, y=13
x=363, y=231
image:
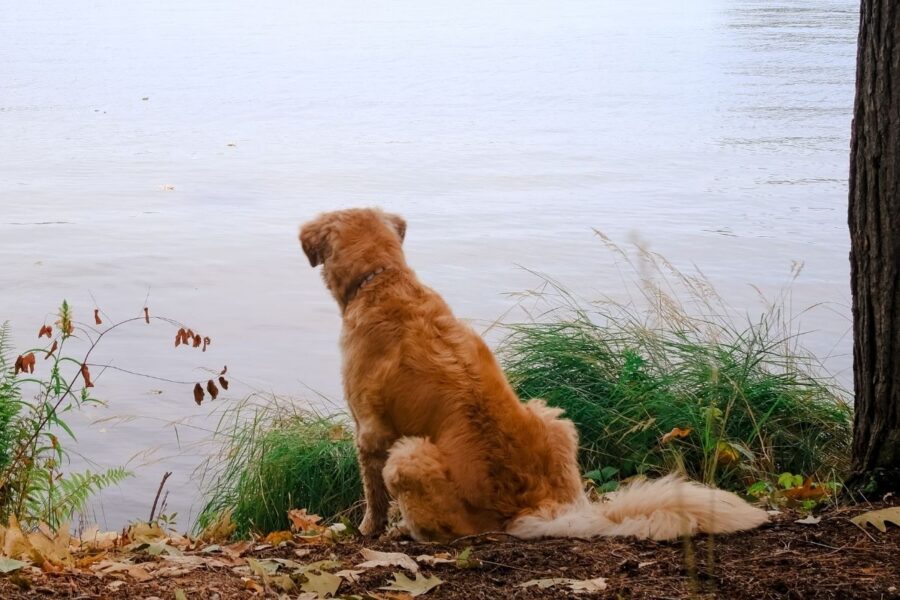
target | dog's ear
x=398, y=223
x=314, y=239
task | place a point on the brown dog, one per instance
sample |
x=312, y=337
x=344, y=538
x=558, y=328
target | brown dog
x=439, y=428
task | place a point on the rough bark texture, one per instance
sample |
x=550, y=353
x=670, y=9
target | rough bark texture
x=875, y=246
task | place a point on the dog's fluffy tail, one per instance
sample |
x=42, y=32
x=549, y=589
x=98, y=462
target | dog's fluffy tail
x=660, y=509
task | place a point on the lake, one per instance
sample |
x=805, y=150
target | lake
x=166, y=152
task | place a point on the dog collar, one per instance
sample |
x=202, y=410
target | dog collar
x=361, y=283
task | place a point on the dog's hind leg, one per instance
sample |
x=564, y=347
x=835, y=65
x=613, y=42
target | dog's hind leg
x=417, y=477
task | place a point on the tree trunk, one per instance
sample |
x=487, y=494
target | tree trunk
x=874, y=218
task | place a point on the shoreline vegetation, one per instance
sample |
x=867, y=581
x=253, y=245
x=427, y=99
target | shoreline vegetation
x=669, y=381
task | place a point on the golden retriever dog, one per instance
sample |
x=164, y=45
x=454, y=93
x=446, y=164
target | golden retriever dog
x=440, y=429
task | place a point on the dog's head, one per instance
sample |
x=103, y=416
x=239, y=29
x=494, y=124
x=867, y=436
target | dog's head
x=351, y=243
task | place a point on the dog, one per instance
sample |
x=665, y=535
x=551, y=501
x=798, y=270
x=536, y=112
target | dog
x=439, y=428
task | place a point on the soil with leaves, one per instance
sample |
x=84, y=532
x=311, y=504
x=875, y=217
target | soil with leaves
x=839, y=553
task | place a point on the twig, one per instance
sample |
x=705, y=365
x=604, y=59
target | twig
x=162, y=483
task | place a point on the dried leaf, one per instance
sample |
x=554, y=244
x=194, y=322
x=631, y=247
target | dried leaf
x=206, y=342
x=220, y=530
x=46, y=330
x=179, y=594
x=576, y=585
x=223, y=382
x=374, y=558
x=808, y=491
x=28, y=362
x=809, y=520
x=212, y=389
x=86, y=375
x=179, y=336
x=146, y=315
x=8, y=565
x=53, y=349
x=224, y=370
x=726, y=454
x=278, y=537
x=97, y=319
x=878, y=518
x=198, y=394
x=676, y=432
x=437, y=559
x=197, y=340
x=302, y=522
x=324, y=584
x=18, y=366
x=414, y=587
x=465, y=560
x=350, y=575
x=262, y=568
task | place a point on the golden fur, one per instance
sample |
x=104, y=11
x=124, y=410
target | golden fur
x=439, y=428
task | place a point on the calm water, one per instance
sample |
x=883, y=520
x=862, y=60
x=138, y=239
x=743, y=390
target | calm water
x=172, y=149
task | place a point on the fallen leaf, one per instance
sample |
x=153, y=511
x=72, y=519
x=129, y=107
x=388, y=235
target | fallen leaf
x=414, y=587
x=138, y=573
x=808, y=491
x=437, y=559
x=8, y=565
x=97, y=319
x=253, y=586
x=220, y=530
x=810, y=520
x=86, y=375
x=262, y=567
x=465, y=560
x=301, y=521
x=374, y=558
x=198, y=394
x=277, y=537
x=350, y=575
x=179, y=594
x=324, y=584
x=878, y=518
x=676, y=432
x=237, y=549
x=576, y=585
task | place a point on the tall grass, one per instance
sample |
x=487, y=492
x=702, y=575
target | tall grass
x=751, y=402
x=10, y=399
x=273, y=457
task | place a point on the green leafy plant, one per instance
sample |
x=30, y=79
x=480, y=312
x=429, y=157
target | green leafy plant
x=35, y=396
x=604, y=480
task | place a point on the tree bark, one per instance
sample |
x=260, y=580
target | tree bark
x=874, y=219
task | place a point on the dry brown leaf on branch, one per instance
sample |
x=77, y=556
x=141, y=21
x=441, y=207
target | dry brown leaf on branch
x=206, y=342
x=223, y=382
x=212, y=389
x=46, y=330
x=53, y=349
x=146, y=315
x=97, y=319
x=86, y=375
x=197, y=340
x=178, y=337
x=676, y=432
x=198, y=394
x=878, y=518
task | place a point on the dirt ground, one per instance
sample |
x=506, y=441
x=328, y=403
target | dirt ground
x=831, y=559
